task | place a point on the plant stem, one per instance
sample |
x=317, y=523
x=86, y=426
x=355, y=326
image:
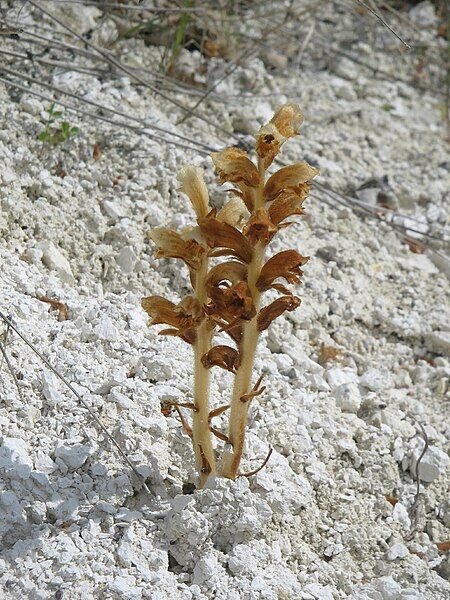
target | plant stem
x=201, y=435
x=247, y=350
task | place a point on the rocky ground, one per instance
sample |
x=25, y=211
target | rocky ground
x=336, y=512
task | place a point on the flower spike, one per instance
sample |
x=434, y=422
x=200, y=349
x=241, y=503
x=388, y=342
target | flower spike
x=227, y=295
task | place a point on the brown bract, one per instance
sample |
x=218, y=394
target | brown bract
x=259, y=228
x=226, y=238
x=286, y=265
x=194, y=186
x=288, y=119
x=288, y=203
x=234, y=166
x=231, y=304
x=234, y=212
x=222, y=356
x=228, y=273
x=172, y=245
x=277, y=308
x=183, y=318
x=284, y=124
x=288, y=177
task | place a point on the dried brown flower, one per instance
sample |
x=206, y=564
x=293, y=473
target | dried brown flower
x=288, y=203
x=259, y=228
x=231, y=303
x=286, y=265
x=267, y=314
x=234, y=212
x=183, y=317
x=172, y=245
x=226, y=238
x=289, y=177
x=284, y=124
x=222, y=356
x=194, y=186
x=234, y=166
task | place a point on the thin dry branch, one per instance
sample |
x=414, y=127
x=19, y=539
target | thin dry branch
x=80, y=399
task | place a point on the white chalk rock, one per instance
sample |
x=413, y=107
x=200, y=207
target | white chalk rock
x=125, y=587
x=336, y=377
x=31, y=105
x=74, y=456
x=348, y=397
x=432, y=464
x=50, y=389
x=375, y=380
x=397, y=551
x=438, y=342
x=319, y=592
x=54, y=260
x=126, y=259
x=400, y=515
x=14, y=457
x=114, y=210
x=388, y=588
x=106, y=330
x=423, y=14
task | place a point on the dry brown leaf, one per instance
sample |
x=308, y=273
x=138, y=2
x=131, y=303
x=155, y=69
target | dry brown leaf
x=63, y=311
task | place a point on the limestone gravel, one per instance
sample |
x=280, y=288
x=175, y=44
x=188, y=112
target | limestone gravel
x=334, y=513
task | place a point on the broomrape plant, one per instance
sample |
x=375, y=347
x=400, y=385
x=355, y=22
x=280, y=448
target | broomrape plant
x=227, y=293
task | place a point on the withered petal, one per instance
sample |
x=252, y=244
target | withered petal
x=227, y=272
x=268, y=143
x=160, y=310
x=227, y=237
x=183, y=318
x=259, y=228
x=275, y=309
x=285, y=264
x=288, y=177
x=222, y=356
x=231, y=303
x=234, y=212
x=288, y=119
x=284, y=124
x=194, y=186
x=172, y=245
x=288, y=203
x=233, y=165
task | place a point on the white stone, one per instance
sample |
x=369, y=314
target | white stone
x=432, y=464
x=336, y=377
x=50, y=388
x=125, y=587
x=318, y=591
x=106, y=330
x=53, y=259
x=375, y=380
x=388, y=588
x=126, y=259
x=114, y=210
x=348, y=397
x=438, y=342
x=423, y=14
x=31, y=105
x=397, y=551
x=43, y=463
x=14, y=457
x=318, y=382
x=400, y=515
x=74, y=456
